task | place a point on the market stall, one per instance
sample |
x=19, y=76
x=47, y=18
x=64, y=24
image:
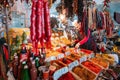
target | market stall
x=73, y=43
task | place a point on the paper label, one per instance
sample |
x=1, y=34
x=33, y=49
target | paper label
x=64, y=70
x=91, y=55
x=67, y=53
x=59, y=73
x=47, y=60
x=82, y=59
x=50, y=58
x=73, y=64
x=60, y=56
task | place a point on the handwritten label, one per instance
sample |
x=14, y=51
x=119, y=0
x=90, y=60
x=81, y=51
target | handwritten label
x=59, y=73
x=67, y=53
x=91, y=55
x=73, y=64
x=82, y=59
x=64, y=70
x=50, y=58
x=60, y=56
x=56, y=75
x=47, y=60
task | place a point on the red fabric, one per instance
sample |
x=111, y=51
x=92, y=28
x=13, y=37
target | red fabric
x=85, y=39
x=102, y=49
x=6, y=53
x=86, y=51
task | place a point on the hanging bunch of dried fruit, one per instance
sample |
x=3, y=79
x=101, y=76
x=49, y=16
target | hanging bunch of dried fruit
x=75, y=8
x=106, y=2
x=25, y=1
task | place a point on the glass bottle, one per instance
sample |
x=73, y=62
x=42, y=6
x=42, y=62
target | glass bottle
x=19, y=70
x=26, y=75
x=15, y=67
x=33, y=71
x=43, y=55
x=37, y=64
x=30, y=62
x=22, y=69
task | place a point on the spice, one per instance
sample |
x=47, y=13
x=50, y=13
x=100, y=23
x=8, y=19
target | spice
x=67, y=76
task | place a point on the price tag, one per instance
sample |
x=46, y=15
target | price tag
x=47, y=60
x=60, y=56
x=73, y=64
x=64, y=70
x=56, y=48
x=91, y=55
x=70, y=66
x=67, y=53
x=76, y=63
x=50, y=58
x=82, y=59
x=56, y=75
x=59, y=73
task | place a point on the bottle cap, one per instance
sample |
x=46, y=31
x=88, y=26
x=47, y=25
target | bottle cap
x=24, y=62
x=15, y=54
x=36, y=58
x=26, y=67
x=33, y=62
x=16, y=57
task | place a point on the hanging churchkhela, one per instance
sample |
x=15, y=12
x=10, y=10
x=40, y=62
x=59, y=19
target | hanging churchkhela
x=25, y=0
x=80, y=10
x=75, y=8
x=47, y=25
x=68, y=4
x=38, y=24
x=33, y=23
x=40, y=30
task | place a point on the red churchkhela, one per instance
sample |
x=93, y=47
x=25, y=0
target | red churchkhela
x=47, y=24
x=40, y=30
x=33, y=23
x=43, y=24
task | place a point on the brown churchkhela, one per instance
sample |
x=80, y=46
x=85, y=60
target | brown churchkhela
x=15, y=67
